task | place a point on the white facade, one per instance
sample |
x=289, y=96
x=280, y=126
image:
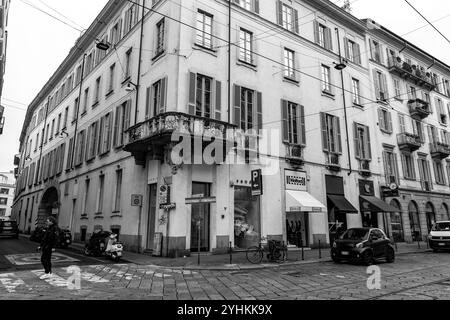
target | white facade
x=7, y=187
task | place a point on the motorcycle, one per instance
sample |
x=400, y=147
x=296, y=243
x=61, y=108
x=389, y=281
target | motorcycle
x=104, y=243
x=64, y=239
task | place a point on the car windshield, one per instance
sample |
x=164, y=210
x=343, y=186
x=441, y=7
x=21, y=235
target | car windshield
x=441, y=226
x=355, y=234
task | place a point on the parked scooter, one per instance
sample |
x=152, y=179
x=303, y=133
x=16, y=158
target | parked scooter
x=104, y=243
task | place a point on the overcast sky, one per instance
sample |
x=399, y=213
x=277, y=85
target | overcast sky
x=37, y=44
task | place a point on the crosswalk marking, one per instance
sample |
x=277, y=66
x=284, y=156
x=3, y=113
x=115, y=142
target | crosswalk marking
x=7, y=280
x=54, y=280
x=90, y=277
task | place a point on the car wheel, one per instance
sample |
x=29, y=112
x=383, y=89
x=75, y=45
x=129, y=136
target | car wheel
x=367, y=258
x=390, y=255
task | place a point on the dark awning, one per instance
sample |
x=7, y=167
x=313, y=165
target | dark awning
x=378, y=205
x=342, y=204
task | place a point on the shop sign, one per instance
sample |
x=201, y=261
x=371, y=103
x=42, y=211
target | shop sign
x=164, y=195
x=136, y=200
x=201, y=200
x=257, y=186
x=295, y=180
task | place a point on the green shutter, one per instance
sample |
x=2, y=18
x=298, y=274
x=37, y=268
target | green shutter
x=192, y=92
x=323, y=121
x=356, y=140
x=237, y=106
x=259, y=117
x=218, y=104
x=302, y=130
x=163, y=105
x=285, y=119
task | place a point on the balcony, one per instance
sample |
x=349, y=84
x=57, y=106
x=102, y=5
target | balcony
x=410, y=72
x=294, y=154
x=419, y=109
x=439, y=150
x=333, y=162
x=364, y=168
x=153, y=135
x=408, y=142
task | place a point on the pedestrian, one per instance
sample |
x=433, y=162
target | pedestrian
x=47, y=244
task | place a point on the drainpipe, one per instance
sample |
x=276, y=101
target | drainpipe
x=229, y=61
x=345, y=106
x=42, y=138
x=78, y=111
x=139, y=64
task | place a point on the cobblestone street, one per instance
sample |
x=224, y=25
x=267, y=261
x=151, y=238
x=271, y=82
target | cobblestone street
x=412, y=276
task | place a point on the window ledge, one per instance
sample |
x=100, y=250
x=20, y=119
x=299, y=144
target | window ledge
x=247, y=65
x=110, y=92
x=385, y=131
x=83, y=114
x=84, y=217
x=96, y=103
x=98, y=216
x=410, y=179
x=291, y=80
x=207, y=50
x=104, y=154
x=158, y=56
x=328, y=94
x=126, y=80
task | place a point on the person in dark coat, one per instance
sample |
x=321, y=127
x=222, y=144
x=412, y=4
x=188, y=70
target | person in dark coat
x=47, y=244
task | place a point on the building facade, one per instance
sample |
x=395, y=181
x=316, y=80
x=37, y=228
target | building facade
x=198, y=129
x=4, y=9
x=7, y=187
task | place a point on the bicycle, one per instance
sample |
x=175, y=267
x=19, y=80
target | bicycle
x=276, y=251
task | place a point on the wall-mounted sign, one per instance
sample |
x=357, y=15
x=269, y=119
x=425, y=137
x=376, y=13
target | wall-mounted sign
x=201, y=200
x=257, y=183
x=164, y=195
x=295, y=180
x=366, y=188
x=136, y=200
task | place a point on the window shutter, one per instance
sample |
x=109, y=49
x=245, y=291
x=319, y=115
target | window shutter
x=421, y=173
x=401, y=119
x=356, y=139
x=347, y=53
x=285, y=119
x=237, y=106
x=88, y=144
x=116, y=126
x=256, y=6
x=376, y=84
x=372, y=49
x=279, y=13
x=403, y=159
x=384, y=86
x=357, y=53
x=338, y=134
x=380, y=119
x=148, y=102
x=316, y=32
x=259, y=117
x=302, y=130
x=101, y=135
x=430, y=134
x=368, y=156
x=429, y=174
x=162, y=107
x=323, y=122
x=389, y=115
x=296, y=22
x=328, y=39
x=386, y=167
x=126, y=120
x=218, y=100
x=192, y=92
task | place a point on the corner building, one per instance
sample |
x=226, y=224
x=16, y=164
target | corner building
x=96, y=144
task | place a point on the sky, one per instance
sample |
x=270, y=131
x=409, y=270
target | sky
x=37, y=44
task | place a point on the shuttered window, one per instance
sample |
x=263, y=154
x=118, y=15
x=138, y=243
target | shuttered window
x=205, y=96
x=79, y=150
x=121, y=123
x=352, y=51
x=439, y=172
x=331, y=133
x=69, y=155
x=156, y=98
x=380, y=83
x=391, y=166
x=287, y=17
x=385, y=120
x=322, y=35
x=250, y=5
x=362, y=142
x=247, y=108
x=204, y=29
x=409, y=171
x=293, y=116
x=104, y=138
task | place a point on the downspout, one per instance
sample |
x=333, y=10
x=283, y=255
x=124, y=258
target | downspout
x=42, y=138
x=345, y=106
x=139, y=64
x=78, y=112
x=229, y=61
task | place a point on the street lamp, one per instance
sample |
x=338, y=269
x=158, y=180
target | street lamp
x=104, y=46
x=131, y=87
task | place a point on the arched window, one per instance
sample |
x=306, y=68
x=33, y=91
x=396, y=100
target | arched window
x=414, y=221
x=445, y=214
x=431, y=215
x=397, y=222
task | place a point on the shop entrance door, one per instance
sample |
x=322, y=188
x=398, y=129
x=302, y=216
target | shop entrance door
x=151, y=216
x=200, y=218
x=297, y=229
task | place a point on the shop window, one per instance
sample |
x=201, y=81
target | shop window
x=247, y=218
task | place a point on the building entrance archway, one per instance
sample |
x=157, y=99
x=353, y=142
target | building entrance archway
x=49, y=206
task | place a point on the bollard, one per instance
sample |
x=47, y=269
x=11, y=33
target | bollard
x=286, y=252
x=320, y=251
x=428, y=246
x=231, y=253
x=303, y=254
x=418, y=243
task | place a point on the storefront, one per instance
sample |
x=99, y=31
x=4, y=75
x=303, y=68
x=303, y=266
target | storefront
x=247, y=217
x=373, y=209
x=396, y=222
x=299, y=205
x=338, y=206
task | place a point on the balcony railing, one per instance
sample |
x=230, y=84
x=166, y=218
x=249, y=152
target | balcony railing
x=439, y=150
x=409, y=142
x=294, y=153
x=419, y=109
x=411, y=72
x=333, y=162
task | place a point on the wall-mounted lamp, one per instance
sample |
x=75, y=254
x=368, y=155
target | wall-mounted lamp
x=131, y=87
x=340, y=66
x=104, y=46
x=63, y=132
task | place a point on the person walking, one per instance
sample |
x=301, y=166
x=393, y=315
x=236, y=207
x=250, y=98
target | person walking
x=47, y=244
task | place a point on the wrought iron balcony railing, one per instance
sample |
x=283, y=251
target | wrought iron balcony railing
x=439, y=150
x=419, y=109
x=408, y=141
x=411, y=72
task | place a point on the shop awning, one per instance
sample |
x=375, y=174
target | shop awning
x=342, y=204
x=378, y=205
x=302, y=201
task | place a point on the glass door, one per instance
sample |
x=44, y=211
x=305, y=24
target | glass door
x=200, y=218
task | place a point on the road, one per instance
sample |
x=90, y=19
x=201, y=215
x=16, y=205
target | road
x=418, y=276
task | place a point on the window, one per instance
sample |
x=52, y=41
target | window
x=58, y=125
x=4, y=191
x=293, y=123
x=37, y=142
x=390, y=166
x=75, y=110
x=439, y=172
x=322, y=36
x=408, y=166
x=204, y=29
x=118, y=193
x=101, y=191
x=160, y=38
x=287, y=17
x=448, y=171
x=156, y=98
x=66, y=115
x=116, y=32
x=251, y=5
x=78, y=75
x=356, y=92
x=46, y=133
x=122, y=123
x=441, y=111
x=98, y=83
x=203, y=96
x=3, y=201
x=401, y=121
x=385, y=120
x=104, y=140
x=433, y=134
x=245, y=46
x=289, y=64
x=79, y=150
x=398, y=92
x=85, y=101
x=412, y=93
x=331, y=133
x=112, y=70
x=91, y=143
x=446, y=87
x=89, y=63
x=52, y=130
x=425, y=174
x=69, y=155
x=375, y=51
x=362, y=142
x=352, y=51
x=128, y=63
x=86, y=197
x=418, y=130
x=380, y=83
x=326, y=79
x=131, y=18
x=247, y=108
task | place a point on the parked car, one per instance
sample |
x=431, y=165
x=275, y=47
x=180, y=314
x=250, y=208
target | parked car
x=9, y=228
x=439, y=237
x=64, y=237
x=364, y=245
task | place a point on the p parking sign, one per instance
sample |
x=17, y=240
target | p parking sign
x=257, y=185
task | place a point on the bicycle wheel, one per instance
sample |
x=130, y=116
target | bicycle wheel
x=254, y=255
